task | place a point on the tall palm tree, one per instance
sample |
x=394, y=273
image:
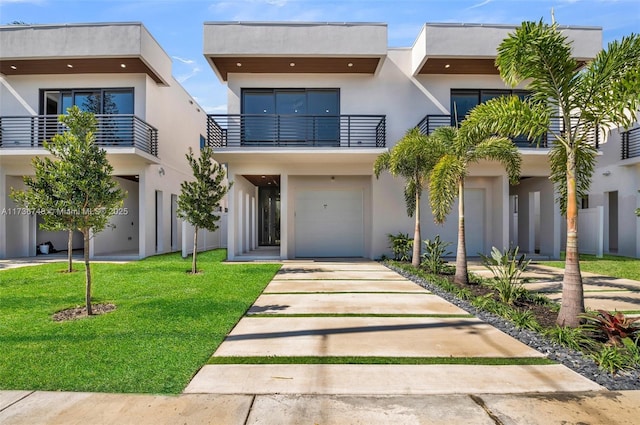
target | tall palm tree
x=412, y=158
x=603, y=93
x=463, y=146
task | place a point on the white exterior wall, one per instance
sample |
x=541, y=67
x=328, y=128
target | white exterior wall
x=612, y=174
x=405, y=101
x=179, y=125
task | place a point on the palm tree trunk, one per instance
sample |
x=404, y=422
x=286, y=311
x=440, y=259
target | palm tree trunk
x=194, y=268
x=415, y=259
x=70, y=251
x=572, y=292
x=87, y=266
x=462, y=275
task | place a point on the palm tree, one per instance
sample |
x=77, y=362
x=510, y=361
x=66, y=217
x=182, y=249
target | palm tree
x=601, y=94
x=463, y=146
x=412, y=158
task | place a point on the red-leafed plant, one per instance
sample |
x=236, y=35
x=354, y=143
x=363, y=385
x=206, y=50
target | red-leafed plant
x=615, y=327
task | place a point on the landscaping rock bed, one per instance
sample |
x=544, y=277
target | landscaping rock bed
x=627, y=380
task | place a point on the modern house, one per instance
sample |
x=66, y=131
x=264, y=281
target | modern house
x=615, y=193
x=311, y=106
x=146, y=123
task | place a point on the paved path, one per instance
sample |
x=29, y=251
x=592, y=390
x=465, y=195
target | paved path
x=350, y=309
x=347, y=309
x=600, y=292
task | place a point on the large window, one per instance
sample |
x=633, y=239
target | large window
x=291, y=116
x=464, y=100
x=98, y=101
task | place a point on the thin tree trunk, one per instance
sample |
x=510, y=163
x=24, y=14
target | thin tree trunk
x=87, y=266
x=415, y=260
x=572, y=292
x=70, y=251
x=461, y=276
x=194, y=268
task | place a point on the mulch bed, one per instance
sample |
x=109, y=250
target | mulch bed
x=81, y=312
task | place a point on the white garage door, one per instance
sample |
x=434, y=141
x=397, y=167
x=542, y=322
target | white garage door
x=329, y=223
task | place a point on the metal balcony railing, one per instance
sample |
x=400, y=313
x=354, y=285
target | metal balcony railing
x=430, y=122
x=267, y=130
x=112, y=131
x=631, y=143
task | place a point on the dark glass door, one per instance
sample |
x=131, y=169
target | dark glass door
x=258, y=124
x=269, y=218
x=291, y=107
x=324, y=107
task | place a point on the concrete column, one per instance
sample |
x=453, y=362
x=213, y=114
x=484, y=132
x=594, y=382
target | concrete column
x=505, y=210
x=143, y=212
x=3, y=217
x=231, y=222
x=284, y=216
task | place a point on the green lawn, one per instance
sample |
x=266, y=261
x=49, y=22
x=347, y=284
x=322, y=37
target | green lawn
x=609, y=265
x=166, y=326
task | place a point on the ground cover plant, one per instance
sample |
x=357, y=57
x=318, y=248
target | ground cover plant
x=611, y=340
x=165, y=326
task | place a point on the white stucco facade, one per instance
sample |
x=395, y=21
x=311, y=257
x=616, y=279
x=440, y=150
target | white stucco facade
x=404, y=91
x=147, y=224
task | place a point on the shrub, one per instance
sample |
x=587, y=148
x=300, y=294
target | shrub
x=523, y=319
x=434, y=251
x=610, y=358
x=613, y=327
x=507, y=268
x=573, y=338
x=401, y=245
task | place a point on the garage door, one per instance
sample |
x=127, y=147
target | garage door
x=329, y=223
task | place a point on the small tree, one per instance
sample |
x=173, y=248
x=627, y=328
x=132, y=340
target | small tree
x=41, y=197
x=463, y=147
x=412, y=158
x=81, y=193
x=200, y=198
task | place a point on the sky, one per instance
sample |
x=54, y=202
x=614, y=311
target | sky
x=177, y=24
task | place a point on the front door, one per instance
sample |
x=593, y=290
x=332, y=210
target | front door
x=269, y=217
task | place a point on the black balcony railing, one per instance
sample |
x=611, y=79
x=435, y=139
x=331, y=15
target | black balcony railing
x=430, y=122
x=112, y=131
x=262, y=130
x=631, y=143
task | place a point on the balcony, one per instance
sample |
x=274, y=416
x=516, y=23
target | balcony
x=631, y=143
x=430, y=122
x=24, y=132
x=296, y=131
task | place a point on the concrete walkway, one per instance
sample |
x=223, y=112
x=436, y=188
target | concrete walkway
x=327, y=309
x=600, y=292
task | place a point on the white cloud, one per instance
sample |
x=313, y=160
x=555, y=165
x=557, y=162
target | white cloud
x=219, y=109
x=186, y=61
x=485, y=2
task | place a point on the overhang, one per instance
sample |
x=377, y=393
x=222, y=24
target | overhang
x=472, y=48
x=294, y=48
x=113, y=48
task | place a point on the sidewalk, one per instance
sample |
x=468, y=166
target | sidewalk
x=352, y=309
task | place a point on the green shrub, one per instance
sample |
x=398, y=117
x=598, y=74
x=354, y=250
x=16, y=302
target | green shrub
x=401, y=245
x=506, y=268
x=434, y=251
x=610, y=358
x=523, y=319
x=574, y=338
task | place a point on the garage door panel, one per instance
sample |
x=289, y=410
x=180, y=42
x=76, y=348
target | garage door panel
x=329, y=223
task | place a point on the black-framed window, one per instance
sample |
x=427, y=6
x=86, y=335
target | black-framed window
x=98, y=101
x=291, y=116
x=464, y=100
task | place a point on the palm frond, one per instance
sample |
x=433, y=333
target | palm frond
x=443, y=185
x=609, y=86
x=507, y=116
x=503, y=150
x=540, y=52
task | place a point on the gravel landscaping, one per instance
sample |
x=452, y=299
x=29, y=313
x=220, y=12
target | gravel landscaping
x=627, y=380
